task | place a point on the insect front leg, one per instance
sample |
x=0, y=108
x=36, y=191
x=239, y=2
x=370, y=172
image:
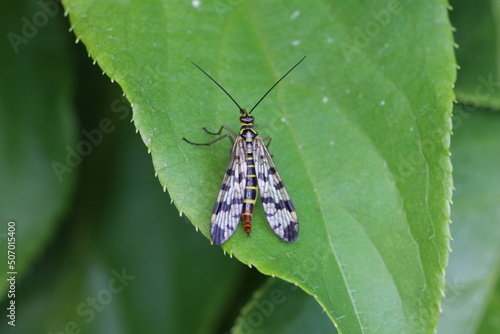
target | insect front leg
x=220, y=131
x=229, y=135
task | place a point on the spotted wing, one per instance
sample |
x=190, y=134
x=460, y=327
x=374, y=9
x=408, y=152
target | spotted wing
x=229, y=205
x=278, y=206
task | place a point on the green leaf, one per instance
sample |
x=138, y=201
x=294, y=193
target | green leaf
x=477, y=36
x=280, y=307
x=360, y=130
x=473, y=274
x=36, y=86
x=490, y=322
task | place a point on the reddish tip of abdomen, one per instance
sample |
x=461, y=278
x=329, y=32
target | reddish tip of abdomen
x=247, y=222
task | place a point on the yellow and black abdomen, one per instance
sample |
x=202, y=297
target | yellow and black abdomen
x=250, y=192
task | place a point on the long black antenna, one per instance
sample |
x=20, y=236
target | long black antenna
x=277, y=82
x=218, y=85
x=262, y=98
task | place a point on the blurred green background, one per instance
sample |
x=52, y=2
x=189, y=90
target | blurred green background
x=108, y=253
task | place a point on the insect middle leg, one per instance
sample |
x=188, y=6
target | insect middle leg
x=229, y=135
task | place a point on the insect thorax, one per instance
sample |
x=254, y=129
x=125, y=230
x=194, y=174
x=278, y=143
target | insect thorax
x=247, y=132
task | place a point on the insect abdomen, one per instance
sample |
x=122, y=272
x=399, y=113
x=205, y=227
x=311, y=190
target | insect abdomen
x=251, y=186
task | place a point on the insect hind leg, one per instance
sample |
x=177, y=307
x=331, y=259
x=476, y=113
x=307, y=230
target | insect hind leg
x=268, y=140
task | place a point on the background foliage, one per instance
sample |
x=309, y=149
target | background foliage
x=101, y=249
